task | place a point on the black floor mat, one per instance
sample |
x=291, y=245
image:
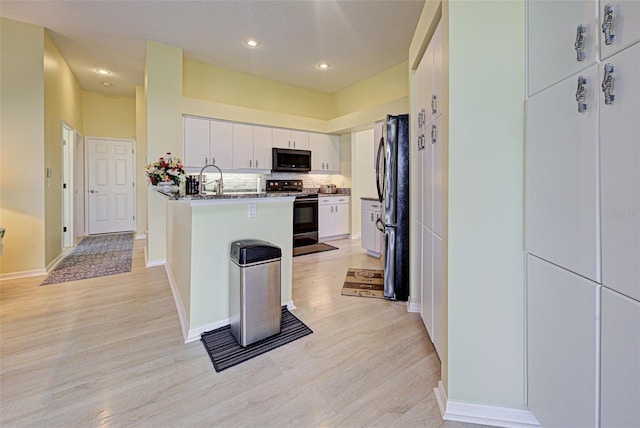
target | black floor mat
x=225, y=351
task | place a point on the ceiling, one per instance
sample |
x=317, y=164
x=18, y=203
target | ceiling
x=359, y=38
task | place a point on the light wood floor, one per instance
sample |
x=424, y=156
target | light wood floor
x=108, y=352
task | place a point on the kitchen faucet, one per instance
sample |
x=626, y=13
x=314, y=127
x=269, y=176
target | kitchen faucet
x=219, y=191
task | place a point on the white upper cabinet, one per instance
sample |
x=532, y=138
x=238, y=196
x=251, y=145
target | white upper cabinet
x=620, y=172
x=251, y=147
x=290, y=139
x=325, y=152
x=562, y=39
x=437, y=99
x=207, y=141
x=221, y=143
x=561, y=161
x=619, y=25
x=196, y=142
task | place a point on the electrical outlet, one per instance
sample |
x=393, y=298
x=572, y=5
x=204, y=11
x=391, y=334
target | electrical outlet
x=252, y=210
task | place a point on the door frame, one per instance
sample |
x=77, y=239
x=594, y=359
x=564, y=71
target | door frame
x=79, y=183
x=133, y=142
x=67, y=168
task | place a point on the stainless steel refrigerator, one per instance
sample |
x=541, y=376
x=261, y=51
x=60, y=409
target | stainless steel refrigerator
x=392, y=181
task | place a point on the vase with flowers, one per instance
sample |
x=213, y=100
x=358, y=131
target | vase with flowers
x=167, y=173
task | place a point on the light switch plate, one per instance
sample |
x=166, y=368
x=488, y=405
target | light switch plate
x=252, y=210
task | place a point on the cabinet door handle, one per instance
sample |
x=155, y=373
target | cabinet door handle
x=434, y=104
x=256, y=163
x=250, y=161
x=206, y=161
x=371, y=216
x=327, y=165
x=607, y=84
x=294, y=144
x=433, y=134
x=332, y=209
x=322, y=165
x=581, y=94
x=289, y=142
x=607, y=25
x=579, y=44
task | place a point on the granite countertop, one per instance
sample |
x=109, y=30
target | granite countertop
x=232, y=195
x=367, y=198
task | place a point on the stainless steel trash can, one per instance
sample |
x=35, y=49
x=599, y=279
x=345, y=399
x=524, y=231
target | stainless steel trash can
x=254, y=299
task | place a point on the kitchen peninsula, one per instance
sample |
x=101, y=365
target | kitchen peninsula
x=200, y=230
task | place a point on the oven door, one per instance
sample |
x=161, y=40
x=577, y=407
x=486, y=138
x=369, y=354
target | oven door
x=305, y=222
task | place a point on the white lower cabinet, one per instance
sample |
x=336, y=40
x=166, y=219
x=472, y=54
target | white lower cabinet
x=333, y=216
x=371, y=239
x=562, y=352
x=620, y=361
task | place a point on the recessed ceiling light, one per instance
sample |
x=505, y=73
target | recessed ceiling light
x=107, y=84
x=252, y=43
x=323, y=66
x=103, y=71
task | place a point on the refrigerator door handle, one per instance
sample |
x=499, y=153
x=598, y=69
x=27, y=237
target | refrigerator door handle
x=380, y=156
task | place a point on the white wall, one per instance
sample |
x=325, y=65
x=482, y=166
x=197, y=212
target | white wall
x=485, y=202
x=363, y=179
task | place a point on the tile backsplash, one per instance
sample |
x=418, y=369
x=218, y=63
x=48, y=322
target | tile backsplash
x=250, y=182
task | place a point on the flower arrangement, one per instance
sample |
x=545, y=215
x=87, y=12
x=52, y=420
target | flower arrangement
x=167, y=170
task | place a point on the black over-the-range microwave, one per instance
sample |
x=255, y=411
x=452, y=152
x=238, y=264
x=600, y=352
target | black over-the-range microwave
x=291, y=160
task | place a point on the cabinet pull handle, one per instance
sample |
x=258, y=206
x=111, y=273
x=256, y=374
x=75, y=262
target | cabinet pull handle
x=434, y=104
x=581, y=93
x=419, y=142
x=206, y=161
x=579, y=44
x=607, y=25
x=607, y=84
x=322, y=165
x=336, y=208
x=332, y=209
x=256, y=163
x=371, y=216
x=250, y=163
x=433, y=134
x=327, y=165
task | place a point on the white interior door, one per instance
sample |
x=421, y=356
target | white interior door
x=110, y=185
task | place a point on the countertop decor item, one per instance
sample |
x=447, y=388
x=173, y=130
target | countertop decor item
x=166, y=172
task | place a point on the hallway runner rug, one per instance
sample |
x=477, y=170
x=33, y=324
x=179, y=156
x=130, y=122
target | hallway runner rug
x=364, y=283
x=225, y=352
x=98, y=255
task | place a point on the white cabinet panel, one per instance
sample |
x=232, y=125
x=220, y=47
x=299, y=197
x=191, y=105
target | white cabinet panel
x=332, y=154
x=427, y=180
x=436, y=103
x=196, y=142
x=371, y=237
x=562, y=207
x=325, y=152
x=552, y=33
x=624, y=15
x=290, y=139
x=333, y=216
x=426, y=307
x=325, y=221
x=436, y=177
x=262, y=143
x=341, y=218
x=438, y=299
x=562, y=326
x=242, y=146
x=221, y=143
x=620, y=373
x=620, y=175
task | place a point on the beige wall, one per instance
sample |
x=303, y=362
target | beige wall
x=108, y=116
x=212, y=83
x=22, y=168
x=141, y=156
x=62, y=102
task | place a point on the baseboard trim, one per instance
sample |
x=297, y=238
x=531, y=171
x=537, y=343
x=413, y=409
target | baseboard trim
x=156, y=262
x=441, y=397
x=195, y=333
x=489, y=415
x=182, y=315
x=413, y=307
x=22, y=274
